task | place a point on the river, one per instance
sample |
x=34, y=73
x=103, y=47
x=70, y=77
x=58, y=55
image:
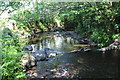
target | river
x=73, y=65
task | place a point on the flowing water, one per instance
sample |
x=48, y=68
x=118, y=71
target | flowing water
x=73, y=65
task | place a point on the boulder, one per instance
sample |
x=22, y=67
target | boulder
x=28, y=61
x=52, y=54
x=39, y=55
x=44, y=55
x=103, y=49
x=28, y=48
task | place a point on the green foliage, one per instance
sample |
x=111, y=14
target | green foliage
x=11, y=56
x=101, y=20
x=38, y=18
x=6, y=5
x=81, y=17
x=101, y=37
x=114, y=36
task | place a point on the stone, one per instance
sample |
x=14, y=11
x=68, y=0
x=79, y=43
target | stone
x=28, y=61
x=85, y=49
x=28, y=48
x=39, y=56
x=104, y=49
x=117, y=40
x=53, y=54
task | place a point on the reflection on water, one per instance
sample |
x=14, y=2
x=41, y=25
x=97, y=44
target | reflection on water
x=55, y=42
x=82, y=65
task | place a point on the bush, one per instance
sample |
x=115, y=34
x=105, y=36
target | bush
x=11, y=55
x=100, y=36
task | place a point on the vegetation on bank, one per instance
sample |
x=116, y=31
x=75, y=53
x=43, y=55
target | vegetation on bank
x=96, y=20
x=11, y=56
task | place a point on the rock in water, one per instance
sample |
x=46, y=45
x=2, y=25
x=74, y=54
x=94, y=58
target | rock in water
x=52, y=54
x=39, y=55
x=85, y=49
x=28, y=61
x=28, y=48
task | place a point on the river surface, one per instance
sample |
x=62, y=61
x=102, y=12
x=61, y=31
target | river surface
x=73, y=65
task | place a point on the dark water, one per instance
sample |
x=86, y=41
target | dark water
x=73, y=65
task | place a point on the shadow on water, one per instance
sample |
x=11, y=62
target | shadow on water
x=72, y=65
